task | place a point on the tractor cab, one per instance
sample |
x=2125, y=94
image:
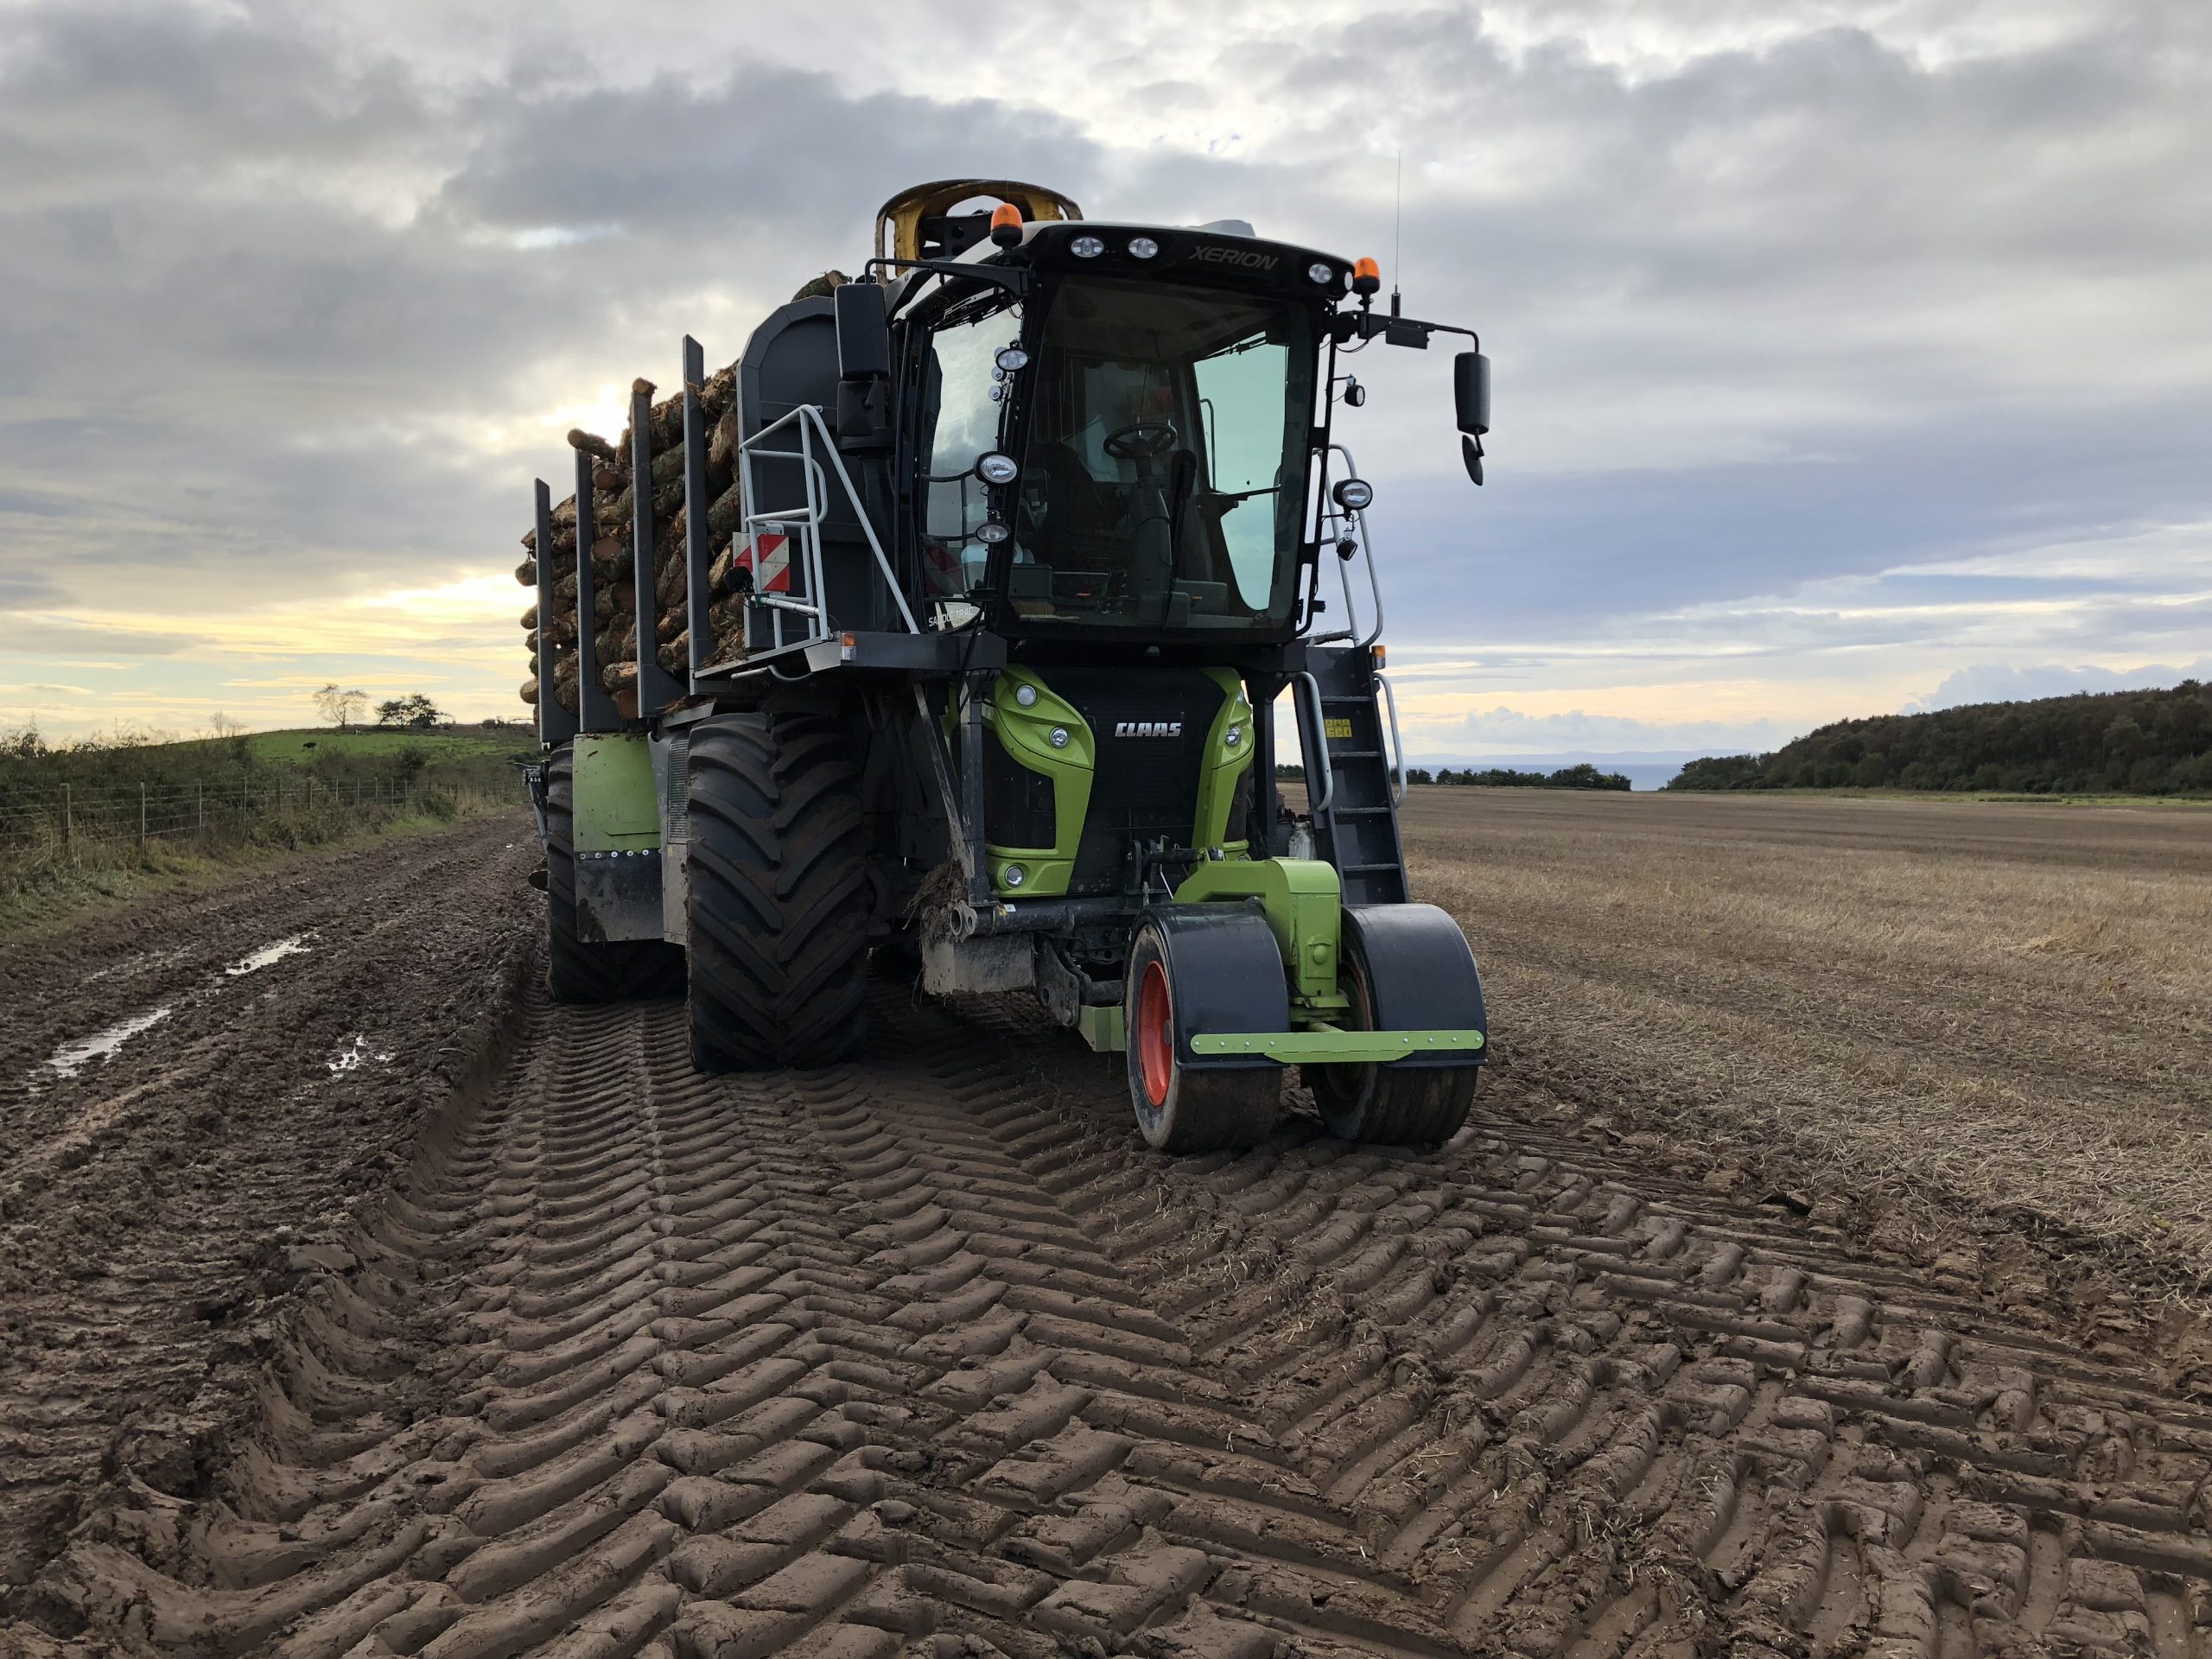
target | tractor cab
x=1116, y=452
x=1118, y=432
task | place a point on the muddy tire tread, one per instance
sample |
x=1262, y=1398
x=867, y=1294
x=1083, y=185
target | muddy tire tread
x=839, y=1360
x=779, y=893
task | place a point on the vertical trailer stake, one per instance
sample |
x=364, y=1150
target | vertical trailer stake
x=555, y=723
x=696, y=562
x=596, y=709
x=656, y=688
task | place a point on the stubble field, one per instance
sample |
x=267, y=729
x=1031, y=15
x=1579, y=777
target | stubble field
x=1942, y=1010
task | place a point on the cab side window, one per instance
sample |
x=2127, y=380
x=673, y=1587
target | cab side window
x=962, y=411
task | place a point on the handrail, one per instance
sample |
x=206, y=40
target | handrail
x=1358, y=518
x=1321, y=741
x=1397, y=743
x=804, y=523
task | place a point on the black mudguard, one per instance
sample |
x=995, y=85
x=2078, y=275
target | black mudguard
x=1226, y=974
x=1423, y=972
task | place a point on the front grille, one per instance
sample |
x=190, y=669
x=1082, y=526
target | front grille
x=1240, y=808
x=1017, y=802
x=1144, y=789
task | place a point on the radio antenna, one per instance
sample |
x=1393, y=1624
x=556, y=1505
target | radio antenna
x=1397, y=229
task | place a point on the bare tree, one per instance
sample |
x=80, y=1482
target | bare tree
x=220, y=725
x=339, y=707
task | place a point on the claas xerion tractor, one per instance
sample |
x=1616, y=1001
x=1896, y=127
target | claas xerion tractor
x=1038, y=523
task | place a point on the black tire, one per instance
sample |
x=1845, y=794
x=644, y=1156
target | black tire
x=1393, y=1104
x=577, y=970
x=1180, y=1109
x=780, y=899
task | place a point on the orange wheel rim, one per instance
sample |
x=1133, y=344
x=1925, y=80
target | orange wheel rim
x=1155, y=1046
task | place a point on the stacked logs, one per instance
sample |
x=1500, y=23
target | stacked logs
x=613, y=572
x=552, y=640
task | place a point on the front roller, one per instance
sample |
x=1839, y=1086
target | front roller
x=1405, y=968
x=1195, y=968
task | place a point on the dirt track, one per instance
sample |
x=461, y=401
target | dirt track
x=631, y=1360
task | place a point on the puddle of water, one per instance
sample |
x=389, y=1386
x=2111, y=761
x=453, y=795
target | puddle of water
x=71, y=1058
x=356, y=1054
x=269, y=953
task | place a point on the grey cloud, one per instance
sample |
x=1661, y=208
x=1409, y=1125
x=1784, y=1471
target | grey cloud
x=259, y=274
x=769, y=152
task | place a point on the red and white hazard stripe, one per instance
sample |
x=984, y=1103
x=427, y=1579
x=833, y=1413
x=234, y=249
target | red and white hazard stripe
x=769, y=559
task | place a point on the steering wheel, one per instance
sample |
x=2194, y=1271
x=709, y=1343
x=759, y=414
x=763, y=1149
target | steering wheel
x=1141, y=440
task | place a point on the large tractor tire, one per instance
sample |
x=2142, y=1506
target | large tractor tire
x=577, y=970
x=780, y=897
x=1406, y=967
x=1219, y=970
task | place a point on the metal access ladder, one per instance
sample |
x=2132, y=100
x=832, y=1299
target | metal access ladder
x=1354, y=797
x=1348, y=731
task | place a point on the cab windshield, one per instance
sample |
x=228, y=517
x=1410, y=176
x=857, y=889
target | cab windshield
x=1162, y=482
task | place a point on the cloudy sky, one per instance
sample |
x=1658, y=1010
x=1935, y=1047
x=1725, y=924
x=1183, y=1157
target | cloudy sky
x=1850, y=354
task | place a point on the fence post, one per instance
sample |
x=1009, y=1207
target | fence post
x=200, y=828
x=68, y=826
x=141, y=813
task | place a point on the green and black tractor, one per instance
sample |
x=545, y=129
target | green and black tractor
x=1042, y=520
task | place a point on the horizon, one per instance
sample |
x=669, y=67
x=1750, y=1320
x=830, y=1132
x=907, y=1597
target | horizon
x=1646, y=769
x=1848, y=354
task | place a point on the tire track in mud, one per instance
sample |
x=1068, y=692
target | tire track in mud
x=156, y=1207
x=927, y=1347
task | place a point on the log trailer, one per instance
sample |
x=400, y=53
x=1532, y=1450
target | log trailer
x=1039, y=520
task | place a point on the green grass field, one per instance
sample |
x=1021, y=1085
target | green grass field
x=306, y=745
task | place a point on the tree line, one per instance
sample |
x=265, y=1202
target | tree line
x=412, y=712
x=2091, y=743
x=1584, y=776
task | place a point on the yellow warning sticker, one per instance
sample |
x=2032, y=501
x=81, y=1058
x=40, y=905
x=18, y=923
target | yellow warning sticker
x=1337, y=728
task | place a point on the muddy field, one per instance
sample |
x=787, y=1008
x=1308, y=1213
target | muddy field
x=924, y=1353
x=275, y=1045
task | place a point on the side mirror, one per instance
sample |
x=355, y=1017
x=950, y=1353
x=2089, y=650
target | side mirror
x=863, y=332
x=1471, y=392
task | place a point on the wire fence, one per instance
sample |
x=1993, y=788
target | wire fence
x=60, y=820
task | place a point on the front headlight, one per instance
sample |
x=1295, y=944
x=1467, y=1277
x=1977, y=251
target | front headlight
x=1086, y=247
x=996, y=468
x=1142, y=247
